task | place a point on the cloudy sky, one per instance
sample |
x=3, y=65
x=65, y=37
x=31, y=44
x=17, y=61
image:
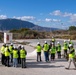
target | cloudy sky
x=48, y=13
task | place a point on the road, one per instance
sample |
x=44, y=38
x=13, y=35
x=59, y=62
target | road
x=56, y=67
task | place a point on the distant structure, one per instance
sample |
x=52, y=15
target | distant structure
x=7, y=37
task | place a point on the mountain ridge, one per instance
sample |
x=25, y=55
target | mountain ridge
x=9, y=24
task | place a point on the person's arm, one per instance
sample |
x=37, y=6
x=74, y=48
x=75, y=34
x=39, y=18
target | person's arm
x=25, y=52
x=72, y=51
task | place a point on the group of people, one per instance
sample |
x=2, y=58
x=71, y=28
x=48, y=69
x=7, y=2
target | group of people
x=12, y=55
x=52, y=49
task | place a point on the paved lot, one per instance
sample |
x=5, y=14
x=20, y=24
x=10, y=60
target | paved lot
x=56, y=67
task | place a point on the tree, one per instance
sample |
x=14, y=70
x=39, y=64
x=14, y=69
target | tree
x=71, y=28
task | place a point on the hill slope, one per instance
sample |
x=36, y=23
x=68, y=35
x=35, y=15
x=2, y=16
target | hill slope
x=9, y=24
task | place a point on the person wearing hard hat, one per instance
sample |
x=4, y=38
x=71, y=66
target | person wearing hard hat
x=58, y=49
x=65, y=47
x=19, y=60
x=52, y=52
x=15, y=57
x=23, y=54
x=11, y=52
x=7, y=55
x=71, y=57
x=53, y=40
x=3, y=54
x=38, y=50
x=70, y=42
x=46, y=48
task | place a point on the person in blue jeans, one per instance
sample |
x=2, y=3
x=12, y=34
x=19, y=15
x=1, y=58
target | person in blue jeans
x=46, y=48
x=15, y=57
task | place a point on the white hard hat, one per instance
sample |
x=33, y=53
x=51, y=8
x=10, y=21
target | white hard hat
x=52, y=43
x=38, y=43
x=45, y=41
x=70, y=45
x=64, y=40
x=11, y=43
x=58, y=42
x=22, y=46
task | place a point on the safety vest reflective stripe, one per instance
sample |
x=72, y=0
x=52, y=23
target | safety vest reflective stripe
x=38, y=48
x=53, y=39
x=10, y=48
x=59, y=48
x=46, y=47
x=7, y=53
x=72, y=55
x=3, y=50
x=15, y=54
x=65, y=46
x=22, y=54
x=53, y=50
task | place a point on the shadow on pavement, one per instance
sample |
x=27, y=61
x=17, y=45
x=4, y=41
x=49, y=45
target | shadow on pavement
x=41, y=65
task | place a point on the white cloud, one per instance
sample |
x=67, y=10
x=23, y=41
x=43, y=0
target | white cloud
x=56, y=13
x=52, y=20
x=25, y=18
x=56, y=20
x=48, y=20
x=67, y=14
x=73, y=18
x=59, y=13
x=3, y=16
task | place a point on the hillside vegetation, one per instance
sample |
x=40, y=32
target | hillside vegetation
x=25, y=33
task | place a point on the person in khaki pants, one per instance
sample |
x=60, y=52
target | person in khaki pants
x=71, y=57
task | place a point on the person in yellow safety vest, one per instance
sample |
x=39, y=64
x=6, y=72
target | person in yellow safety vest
x=15, y=57
x=23, y=54
x=71, y=57
x=58, y=49
x=7, y=55
x=53, y=40
x=38, y=50
x=70, y=42
x=3, y=54
x=52, y=52
x=65, y=47
x=11, y=52
x=46, y=53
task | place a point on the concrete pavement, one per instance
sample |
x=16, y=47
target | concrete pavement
x=56, y=67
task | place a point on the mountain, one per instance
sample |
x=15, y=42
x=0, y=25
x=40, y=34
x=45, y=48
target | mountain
x=9, y=24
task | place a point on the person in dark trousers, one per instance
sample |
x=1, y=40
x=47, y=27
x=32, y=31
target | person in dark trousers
x=7, y=55
x=53, y=40
x=38, y=50
x=19, y=60
x=65, y=46
x=23, y=54
x=11, y=52
x=52, y=52
x=3, y=54
x=58, y=48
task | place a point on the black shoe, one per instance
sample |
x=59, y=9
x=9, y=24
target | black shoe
x=40, y=60
x=74, y=68
x=67, y=68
